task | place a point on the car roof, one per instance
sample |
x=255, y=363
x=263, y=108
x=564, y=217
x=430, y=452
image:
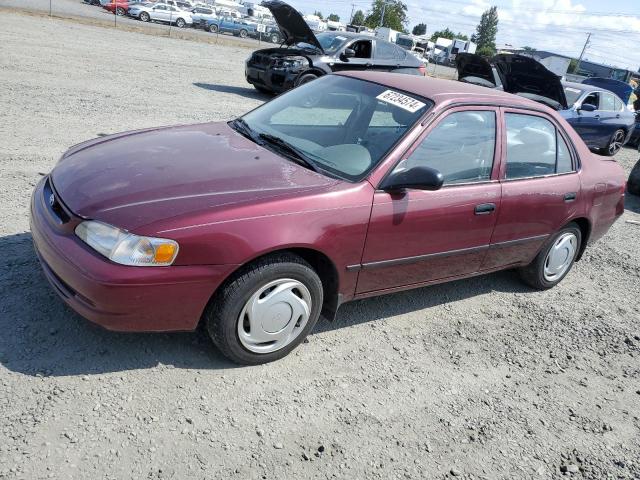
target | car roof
x=447, y=91
x=348, y=35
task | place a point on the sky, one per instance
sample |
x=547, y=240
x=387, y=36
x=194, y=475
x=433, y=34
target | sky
x=559, y=26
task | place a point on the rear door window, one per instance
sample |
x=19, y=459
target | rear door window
x=608, y=102
x=534, y=148
x=619, y=104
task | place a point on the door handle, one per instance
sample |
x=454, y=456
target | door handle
x=618, y=116
x=485, y=208
x=596, y=116
x=570, y=197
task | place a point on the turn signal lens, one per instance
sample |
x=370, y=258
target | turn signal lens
x=165, y=252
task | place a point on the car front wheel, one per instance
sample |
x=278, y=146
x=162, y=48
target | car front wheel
x=305, y=78
x=144, y=16
x=275, y=38
x=266, y=310
x=615, y=143
x=555, y=260
x=213, y=28
x=120, y=11
x=180, y=23
x=243, y=33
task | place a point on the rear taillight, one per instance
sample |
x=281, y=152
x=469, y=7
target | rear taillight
x=423, y=70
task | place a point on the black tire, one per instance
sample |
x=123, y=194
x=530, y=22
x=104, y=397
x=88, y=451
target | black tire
x=533, y=274
x=213, y=28
x=274, y=38
x=144, y=16
x=121, y=12
x=223, y=312
x=243, y=33
x=181, y=23
x=633, y=184
x=305, y=78
x=615, y=143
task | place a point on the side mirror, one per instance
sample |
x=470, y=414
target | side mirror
x=348, y=53
x=417, y=178
x=587, y=107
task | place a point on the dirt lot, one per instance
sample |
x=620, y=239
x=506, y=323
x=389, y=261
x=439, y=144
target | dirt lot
x=481, y=378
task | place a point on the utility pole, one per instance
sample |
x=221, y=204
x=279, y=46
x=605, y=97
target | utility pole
x=384, y=6
x=353, y=6
x=584, y=49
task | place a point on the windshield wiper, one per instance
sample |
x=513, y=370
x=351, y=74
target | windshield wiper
x=244, y=129
x=293, y=152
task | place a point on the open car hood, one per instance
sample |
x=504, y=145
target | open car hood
x=475, y=69
x=292, y=25
x=623, y=90
x=527, y=77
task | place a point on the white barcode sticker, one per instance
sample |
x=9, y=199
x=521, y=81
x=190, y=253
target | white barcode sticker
x=401, y=100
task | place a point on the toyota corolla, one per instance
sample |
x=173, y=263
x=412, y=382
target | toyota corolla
x=356, y=185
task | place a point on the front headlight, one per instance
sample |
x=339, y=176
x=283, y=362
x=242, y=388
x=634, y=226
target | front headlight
x=293, y=63
x=126, y=248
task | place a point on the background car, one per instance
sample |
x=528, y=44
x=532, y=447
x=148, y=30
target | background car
x=161, y=12
x=599, y=116
x=635, y=135
x=231, y=25
x=596, y=108
x=201, y=14
x=633, y=183
x=308, y=56
x=121, y=7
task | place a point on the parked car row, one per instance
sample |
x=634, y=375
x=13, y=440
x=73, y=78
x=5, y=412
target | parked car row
x=183, y=13
x=596, y=108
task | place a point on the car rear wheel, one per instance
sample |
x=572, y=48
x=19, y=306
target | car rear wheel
x=266, y=310
x=633, y=184
x=243, y=33
x=144, y=16
x=120, y=11
x=305, y=78
x=555, y=260
x=274, y=38
x=213, y=28
x=615, y=143
x=181, y=23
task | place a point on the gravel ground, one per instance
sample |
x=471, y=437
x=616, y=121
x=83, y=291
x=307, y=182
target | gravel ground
x=481, y=378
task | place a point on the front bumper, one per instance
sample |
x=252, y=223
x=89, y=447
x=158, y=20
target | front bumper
x=277, y=81
x=117, y=297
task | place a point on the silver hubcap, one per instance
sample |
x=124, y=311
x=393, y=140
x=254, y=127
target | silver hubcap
x=274, y=316
x=560, y=257
x=616, y=143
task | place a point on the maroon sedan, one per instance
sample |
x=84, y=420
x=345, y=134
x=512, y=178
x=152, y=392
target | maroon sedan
x=355, y=185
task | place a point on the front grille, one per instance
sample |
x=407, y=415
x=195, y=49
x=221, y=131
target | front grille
x=260, y=60
x=55, y=208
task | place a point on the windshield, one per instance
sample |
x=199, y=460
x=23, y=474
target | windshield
x=572, y=94
x=330, y=42
x=344, y=126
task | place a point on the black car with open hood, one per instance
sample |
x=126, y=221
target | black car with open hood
x=305, y=56
x=475, y=69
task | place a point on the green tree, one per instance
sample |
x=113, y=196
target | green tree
x=446, y=33
x=486, y=52
x=573, y=66
x=419, y=29
x=395, y=14
x=333, y=18
x=358, y=18
x=318, y=14
x=486, y=31
x=528, y=49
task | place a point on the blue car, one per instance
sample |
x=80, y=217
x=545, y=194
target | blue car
x=231, y=25
x=596, y=109
x=599, y=115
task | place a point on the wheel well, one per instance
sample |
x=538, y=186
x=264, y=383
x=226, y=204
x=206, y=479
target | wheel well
x=323, y=266
x=585, y=230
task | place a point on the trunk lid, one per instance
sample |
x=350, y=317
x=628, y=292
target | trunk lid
x=529, y=78
x=623, y=90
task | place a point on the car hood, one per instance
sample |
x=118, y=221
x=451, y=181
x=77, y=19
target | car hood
x=623, y=90
x=293, y=27
x=524, y=75
x=472, y=65
x=138, y=178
